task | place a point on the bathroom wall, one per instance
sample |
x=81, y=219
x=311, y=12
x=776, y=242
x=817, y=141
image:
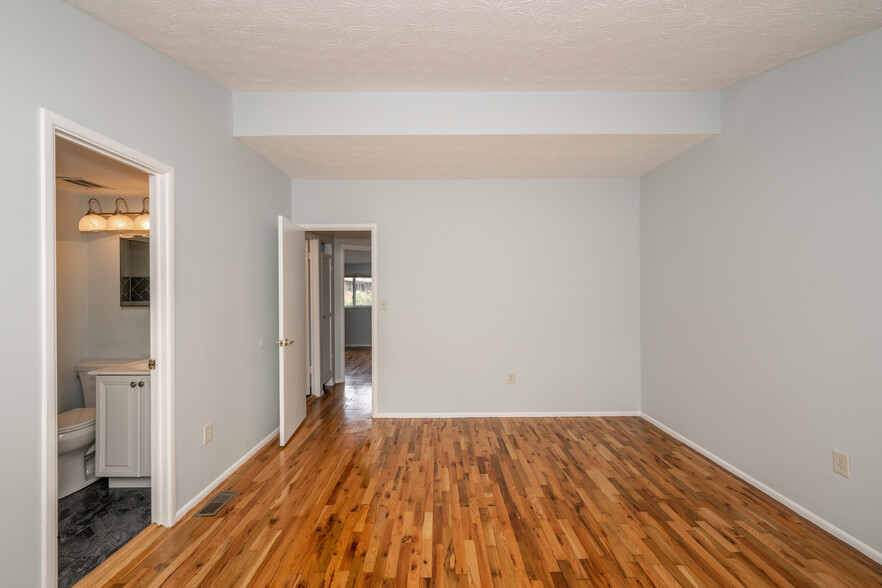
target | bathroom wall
x=71, y=249
x=115, y=332
x=91, y=323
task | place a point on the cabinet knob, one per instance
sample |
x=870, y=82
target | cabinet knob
x=140, y=384
x=132, y=384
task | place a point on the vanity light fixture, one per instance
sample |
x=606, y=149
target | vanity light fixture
x=143, y=221
x=119, y=221
x=93, y=222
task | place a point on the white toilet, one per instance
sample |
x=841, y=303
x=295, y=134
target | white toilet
x=76, y=434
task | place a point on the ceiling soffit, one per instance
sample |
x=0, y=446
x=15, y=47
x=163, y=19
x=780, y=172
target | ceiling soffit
x=405, y=157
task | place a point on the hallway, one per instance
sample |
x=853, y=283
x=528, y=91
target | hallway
x=480, y=501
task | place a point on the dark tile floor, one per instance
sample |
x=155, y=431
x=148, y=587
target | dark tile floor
x=95, y=522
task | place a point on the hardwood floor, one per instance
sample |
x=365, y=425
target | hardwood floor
x=484, y=501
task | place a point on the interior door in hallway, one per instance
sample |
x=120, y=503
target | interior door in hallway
x=293, y=358
x=327, y=307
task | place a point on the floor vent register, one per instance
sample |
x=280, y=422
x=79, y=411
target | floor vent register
x=214, y=506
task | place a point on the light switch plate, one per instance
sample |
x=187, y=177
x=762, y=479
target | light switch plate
x=207, y=434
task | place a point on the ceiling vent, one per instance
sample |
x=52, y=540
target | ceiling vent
x=83, y=183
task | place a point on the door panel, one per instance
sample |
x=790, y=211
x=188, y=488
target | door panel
x=293, y=359
x=327, y=305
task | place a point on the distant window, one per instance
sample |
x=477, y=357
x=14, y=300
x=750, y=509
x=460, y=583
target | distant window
x=357, y=291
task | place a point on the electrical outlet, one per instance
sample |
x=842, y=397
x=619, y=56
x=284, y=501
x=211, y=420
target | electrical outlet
x=384, y=304
x=510, y=379
x=206, y=434
x=840, y=464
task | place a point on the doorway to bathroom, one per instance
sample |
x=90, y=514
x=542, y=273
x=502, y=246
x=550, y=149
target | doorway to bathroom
x=108, y=297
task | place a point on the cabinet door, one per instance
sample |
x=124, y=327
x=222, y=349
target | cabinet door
x=145, y=426
x=117, y=427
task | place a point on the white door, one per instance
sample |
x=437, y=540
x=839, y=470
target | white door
x=293, y=359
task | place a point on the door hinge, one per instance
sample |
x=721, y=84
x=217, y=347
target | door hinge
x=151, y=364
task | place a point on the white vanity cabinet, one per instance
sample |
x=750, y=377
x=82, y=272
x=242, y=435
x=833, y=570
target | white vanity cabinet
x=122, y=426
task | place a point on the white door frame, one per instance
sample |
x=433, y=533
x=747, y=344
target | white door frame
x=162, y=326
x=375, y=351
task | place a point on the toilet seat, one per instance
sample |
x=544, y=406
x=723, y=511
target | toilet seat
x=76, y=419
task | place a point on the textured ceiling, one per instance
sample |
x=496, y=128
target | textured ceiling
x=462, y=45
x=470, y=156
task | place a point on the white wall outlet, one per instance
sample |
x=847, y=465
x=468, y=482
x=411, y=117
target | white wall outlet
x=510, y=379
x=384, y=304
x=206, y=434
x=840, y=464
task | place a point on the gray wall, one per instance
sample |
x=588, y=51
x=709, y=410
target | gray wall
x=761, y=256
x=358, y=327
x=358, y=320
x=358, y=268
x=226, y=203
x=541, y=278
x=72, y=303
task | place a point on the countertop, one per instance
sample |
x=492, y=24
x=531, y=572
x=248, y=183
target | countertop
x=135, y=368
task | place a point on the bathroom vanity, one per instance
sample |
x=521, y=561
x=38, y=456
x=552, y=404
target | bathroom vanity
x=122, y=425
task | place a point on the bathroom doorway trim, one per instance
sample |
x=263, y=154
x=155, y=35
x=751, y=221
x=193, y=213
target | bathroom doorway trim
x=162, y=313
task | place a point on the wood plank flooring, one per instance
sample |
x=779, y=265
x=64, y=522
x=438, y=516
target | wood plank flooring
x=480, y=502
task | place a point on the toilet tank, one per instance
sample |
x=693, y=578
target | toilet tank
x=87, y=382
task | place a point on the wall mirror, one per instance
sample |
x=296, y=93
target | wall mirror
x=134, y=271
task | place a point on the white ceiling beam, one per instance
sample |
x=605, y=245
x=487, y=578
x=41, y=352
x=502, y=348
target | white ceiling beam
x=273, y=114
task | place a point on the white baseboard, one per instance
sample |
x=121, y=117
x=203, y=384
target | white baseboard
x=477, y=415
x=824, y=524
x=229, y=471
